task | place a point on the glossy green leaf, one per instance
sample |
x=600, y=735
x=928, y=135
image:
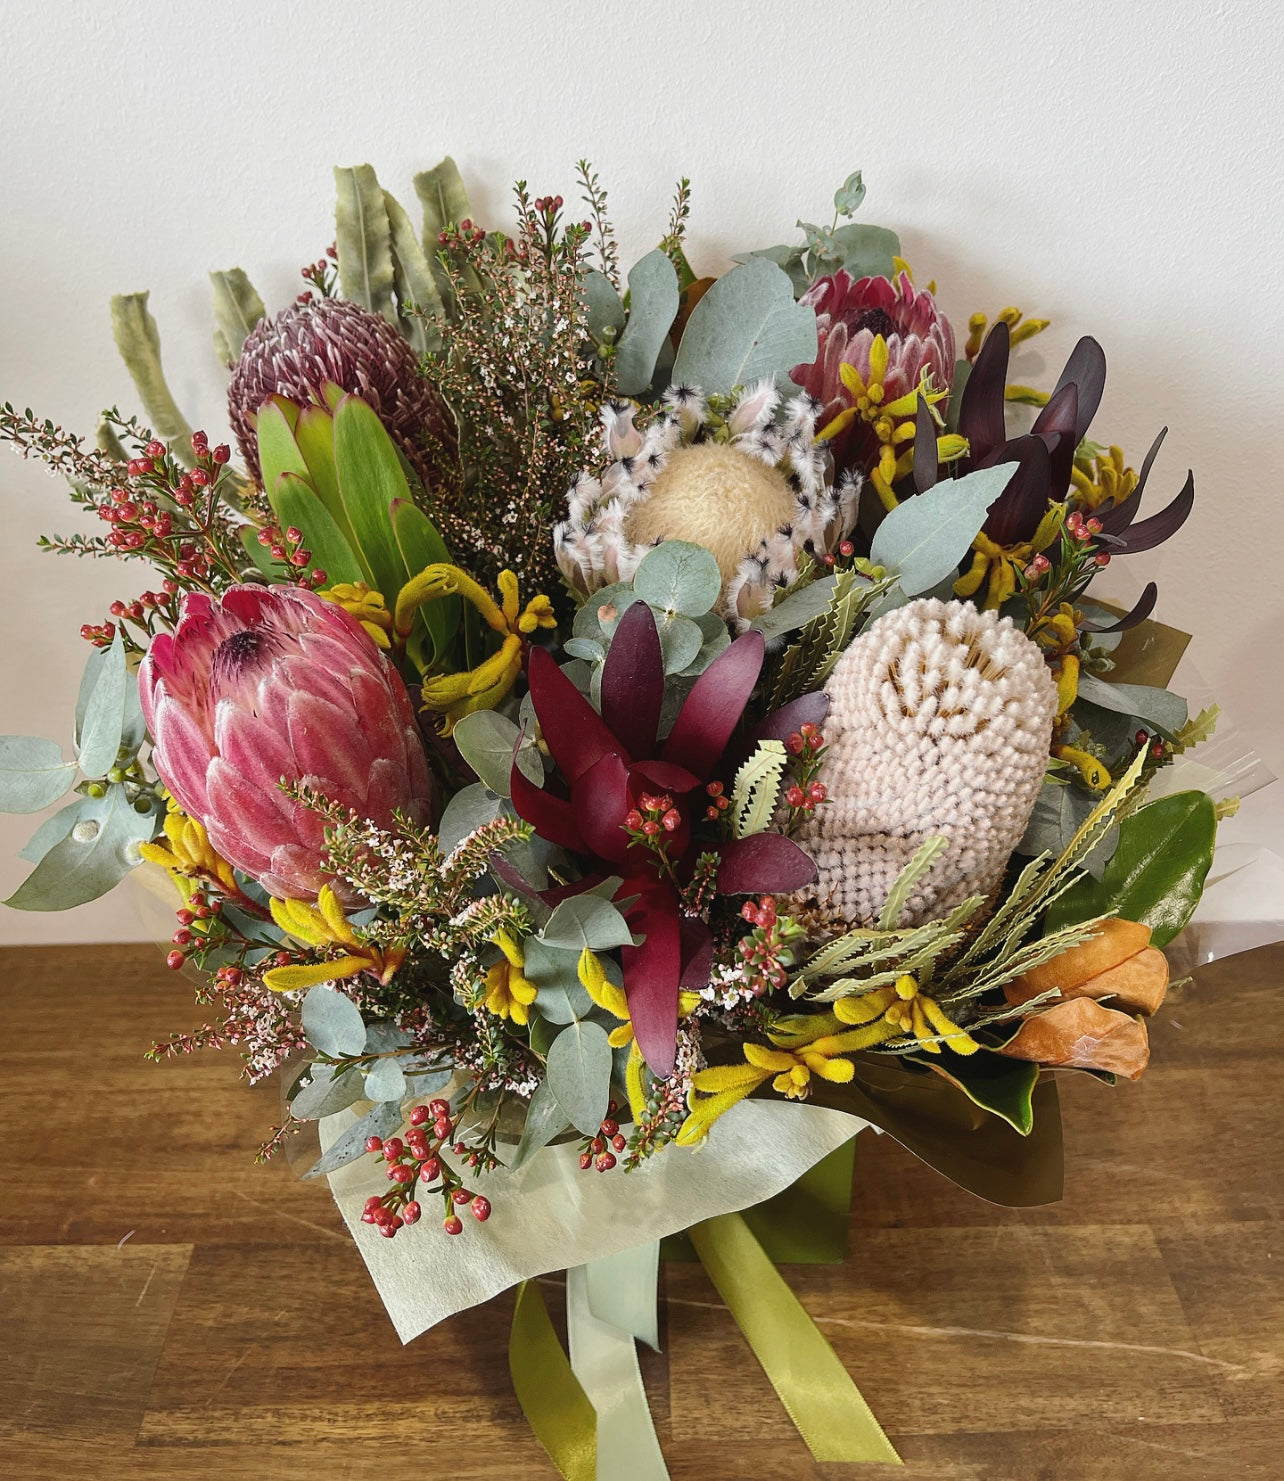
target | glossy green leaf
x=278, y=451
x=579, y=1074
x=679, y=577
x=991, y=1081
x=332, y=1022
x=314, y=438
x=103, y=723
x=924, y=538
x=421, y=545
x=258, y=555
x=297, y=505
x=96, y=854
x=363, y=237
x=653, y=306
x=32, y=773
x=1157, y=872
x=747, y=327
x=237, y=309
x=370, y=479
x=138, y=341
x=487, y=741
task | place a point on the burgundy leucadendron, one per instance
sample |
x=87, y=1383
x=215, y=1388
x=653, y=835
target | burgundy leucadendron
x=273, y=682
x=608, y=762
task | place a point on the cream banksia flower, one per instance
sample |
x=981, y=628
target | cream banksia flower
x=939, y=724
x=752, y=486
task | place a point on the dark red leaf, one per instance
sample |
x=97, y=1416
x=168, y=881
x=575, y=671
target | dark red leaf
x=576, y=734
x=1116, y=520
x=1159, y=527
x=926, y=466
x=1015, y=514
x=633, y=681
x=1086, y=371
x=981, y=411
x=807, y=709
x=665, y=776
x=714, y=706
x=1055, y=424
x=651, y=975
x=601, y=801
x=1145, y=606
x=766, y=863
x=505, y=870
x=552, y=817
x=697, y=954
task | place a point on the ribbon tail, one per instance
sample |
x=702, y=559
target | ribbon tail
x=609, y=1304
x=825, y=1405
x=556, y=1407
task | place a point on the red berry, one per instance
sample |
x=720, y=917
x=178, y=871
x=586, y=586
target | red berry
x=442, y=1129
x=431, y=1170
x=796, y=744
x=453, y=1225
x=222, y=453
x=609, y=1127
x=410, y=1214
x=388, y=1229
x=714, y=789
x=460, y=1195
x=633, y=820
x=671, y=820
x=795, y=796
x=586, y=1160
x=401, y=1173
x=605, y=1162
x=393, y=1148
x=175, y=960
x=650, y=827
x=817, y=792
x=1101, y=558
x=481, y=1208
x=439, y=1108
x=846, y=548
x=419, y=1115
x=155, y=449
x=619, y=1141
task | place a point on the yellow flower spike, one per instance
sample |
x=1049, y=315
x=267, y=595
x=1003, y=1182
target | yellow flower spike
x=322, y=926
x=509, y=992
x=951, y=447
x=1026, y=395
x=188, y=852
x=1028, y=330
x=366, y=606
x=879, y=355
x=538, y=613
x=1067, y=678
x=506, y=581
x=975, y=335
x=605, y=993
x=899, y=266
x=850, y=378
x=959, y=1040
x=634, y=1084
x=1010, y=316
x=1049, y=527
x=1094, y=774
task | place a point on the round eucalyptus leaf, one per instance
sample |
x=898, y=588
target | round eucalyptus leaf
x=679, y=577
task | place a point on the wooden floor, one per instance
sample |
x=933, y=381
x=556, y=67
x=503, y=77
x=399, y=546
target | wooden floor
x=170, y=1310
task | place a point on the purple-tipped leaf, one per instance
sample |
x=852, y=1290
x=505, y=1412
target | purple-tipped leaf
x=665, y=776
x=1162, y=526
x=1055, y=424
x=1086, y=371
x=697, y=954
x=1145, y=606
x=1116, y=519
x=576, y=734
x=981, y=411
x=552, y=817
x=714, y=706
x=766, y=863
x=1015, y=514
x=633, y=681
x=926, y=466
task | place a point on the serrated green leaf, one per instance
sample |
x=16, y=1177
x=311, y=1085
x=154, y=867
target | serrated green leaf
x=680, y=577
x=927, y=853
x=757, y=789
x=415, y=280
x=924, y=538
x=579, y=1074
x=797, y=609
x=138, y=341
x=421, y=545
x=653, y=306
x=363, y=237
x=80, y=868
x=297, y=505
x=332, y=1022
x=370, y=479
x=103, y=723
x=382, y=1121
x=237, y=309
x=32, y=773
x=747, y=327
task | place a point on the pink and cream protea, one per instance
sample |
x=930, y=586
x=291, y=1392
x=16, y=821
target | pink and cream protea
x=850, y=315
x=273, y=683
x=749, y=483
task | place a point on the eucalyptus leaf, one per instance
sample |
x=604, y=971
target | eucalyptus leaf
x=54, y=829
x=680, y=577
x=385, y=1080
x=788, y=259
x=589, y=649
x=603, y=305
x=747, y=327
x=1159, y=707
x=382, y=1121
x=487, y=741
x=237, y=309
x=363, y=237
x=472, y=807
x=867, y=251
x=332, y=1022
x=104, y=718
x=925, y=537
x=545, y=1119
x=680, y=642
x=715, y=639
x=586, y=920
x=849, y=195
x=99, y=850
x=32, y=773
x=559, y=994
x=579, y=1074
x=653, y=306
x=330, y=1088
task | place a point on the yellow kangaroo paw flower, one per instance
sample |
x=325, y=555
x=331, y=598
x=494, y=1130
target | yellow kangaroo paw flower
x=296, y=978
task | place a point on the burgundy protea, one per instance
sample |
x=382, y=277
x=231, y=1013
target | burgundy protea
x=273, y=682
x=612, y=764
x=850, y=315
x=329, y=341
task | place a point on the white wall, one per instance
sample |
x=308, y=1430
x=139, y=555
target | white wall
x=1117, y=168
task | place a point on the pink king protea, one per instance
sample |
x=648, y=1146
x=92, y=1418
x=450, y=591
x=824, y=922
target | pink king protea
x=270, y=683
x=850, y=314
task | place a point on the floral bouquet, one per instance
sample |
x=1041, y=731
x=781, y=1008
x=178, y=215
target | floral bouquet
x=613, y=737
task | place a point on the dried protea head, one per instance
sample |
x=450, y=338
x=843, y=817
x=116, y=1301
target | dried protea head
x=331, y=341
x=752, y=486
x=939, y=724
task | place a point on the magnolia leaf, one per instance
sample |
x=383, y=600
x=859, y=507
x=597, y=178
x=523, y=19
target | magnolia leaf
x=653, y=306
x=363, y=237
x=382, y=1121
x=679, y=577
x=579, y=1074
x=237, y=309
x=32, y=773
x=924, y=538
x=545, y=1119
x=487, y=741
x=1161, y=708
x=927, y=853
x=98, y=851
x=330, y=1088
x=757, y=789
x=333, y=1023
x=138, y=341
x=991, y=1081
x=586, y=920
x=1156, y=874
x=746, y=328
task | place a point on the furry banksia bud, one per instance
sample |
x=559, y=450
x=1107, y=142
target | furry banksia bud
x=939, y=723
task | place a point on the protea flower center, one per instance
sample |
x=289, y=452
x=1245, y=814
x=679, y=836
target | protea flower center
x=333, y=342
x=716, y=496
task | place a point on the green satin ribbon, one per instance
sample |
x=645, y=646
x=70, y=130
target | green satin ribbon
x=555, y=1405
x=825, y=1405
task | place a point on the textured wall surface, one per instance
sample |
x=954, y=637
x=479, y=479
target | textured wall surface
x=1117, y=169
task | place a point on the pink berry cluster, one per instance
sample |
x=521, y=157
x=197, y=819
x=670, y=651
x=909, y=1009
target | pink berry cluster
x=599, y=1151
x=845, y=551
x=805, y=794
x=287, y=548
x=767, y=952
x=652, y=823
x=322, y=274
x=419, y=1160
x=185, y=940
x=719, y=802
